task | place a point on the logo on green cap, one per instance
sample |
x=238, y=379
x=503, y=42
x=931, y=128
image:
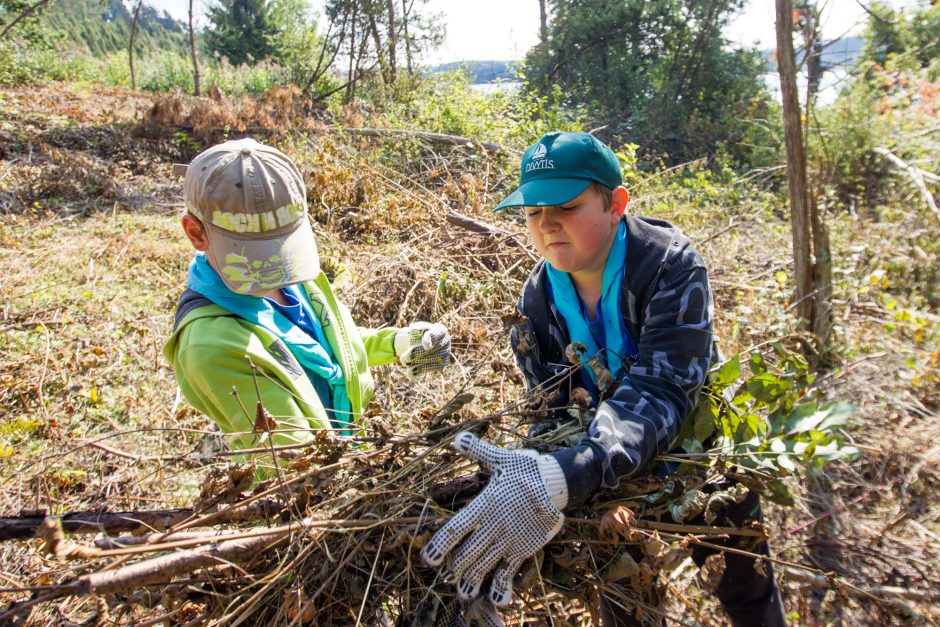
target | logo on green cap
x=538, y=161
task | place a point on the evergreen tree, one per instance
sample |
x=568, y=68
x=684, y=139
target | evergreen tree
x=241, y=30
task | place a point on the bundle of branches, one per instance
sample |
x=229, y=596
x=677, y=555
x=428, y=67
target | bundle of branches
x=342, y=525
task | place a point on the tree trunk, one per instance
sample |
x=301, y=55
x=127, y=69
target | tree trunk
x=813, y=51
x=192, y=51
x=379, y=54
x=543, y=21
x=130, y=45
x=353, y=70
x=392, y=39
x=404, y=26
x=796, y=164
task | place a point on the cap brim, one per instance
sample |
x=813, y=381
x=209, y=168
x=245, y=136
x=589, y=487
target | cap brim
x=256, y=266
x=544, y=193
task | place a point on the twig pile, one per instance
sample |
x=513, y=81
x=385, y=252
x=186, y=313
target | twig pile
x=352, y=521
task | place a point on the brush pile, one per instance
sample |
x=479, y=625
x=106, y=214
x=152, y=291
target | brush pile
x=334, y=539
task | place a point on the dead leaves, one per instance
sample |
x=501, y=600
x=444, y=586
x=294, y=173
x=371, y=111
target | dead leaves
x=225, y=485
x=711, y=572
x=618, y=524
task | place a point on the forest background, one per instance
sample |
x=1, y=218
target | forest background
x=403, y=165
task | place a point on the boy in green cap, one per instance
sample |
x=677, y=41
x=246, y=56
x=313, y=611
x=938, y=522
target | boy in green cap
x=259, y=320
x=634, y=292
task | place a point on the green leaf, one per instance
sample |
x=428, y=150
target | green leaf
x=706, y=420
x=756, y=363
x=778, y=492
x=834, y=450
x=785, y=463
x=839, y=414
x=756, y=426
x=728, y=372
x=805, y=417
x=767, y=387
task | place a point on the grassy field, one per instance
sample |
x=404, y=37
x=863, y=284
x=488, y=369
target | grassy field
x=93, y=261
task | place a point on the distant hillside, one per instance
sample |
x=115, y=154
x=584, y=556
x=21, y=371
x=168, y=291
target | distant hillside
x=480, y=71
x=837, y=53
x=842, y=52
x=104, y=27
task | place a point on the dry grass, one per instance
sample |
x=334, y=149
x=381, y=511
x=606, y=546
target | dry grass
x=94, y=262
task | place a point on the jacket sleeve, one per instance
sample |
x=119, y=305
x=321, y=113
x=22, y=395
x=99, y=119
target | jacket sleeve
x=213, y=371
x=380, y=345
x=646, y=411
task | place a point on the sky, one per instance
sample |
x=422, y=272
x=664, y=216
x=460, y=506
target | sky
x=505, y=29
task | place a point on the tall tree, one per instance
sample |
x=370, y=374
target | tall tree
x=543, y=21
x=655, y=72
x=240, y=30
x=375, y=34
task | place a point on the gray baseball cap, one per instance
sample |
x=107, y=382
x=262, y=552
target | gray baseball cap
x=252, y=202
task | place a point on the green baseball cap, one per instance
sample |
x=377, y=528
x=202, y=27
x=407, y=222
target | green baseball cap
x=559, y=166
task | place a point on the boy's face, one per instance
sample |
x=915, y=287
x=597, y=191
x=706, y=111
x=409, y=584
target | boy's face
x=576, y=237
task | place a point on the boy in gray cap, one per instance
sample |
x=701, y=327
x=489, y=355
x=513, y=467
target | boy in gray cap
x=259, y=317
x=635, y=293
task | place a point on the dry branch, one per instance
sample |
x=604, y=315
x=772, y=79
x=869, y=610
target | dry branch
x=26, y=526
x=884, y=592
x=916, y=175
x=23, y=527
x=488, y=230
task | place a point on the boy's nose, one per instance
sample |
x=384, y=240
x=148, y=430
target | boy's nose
x=547, y=221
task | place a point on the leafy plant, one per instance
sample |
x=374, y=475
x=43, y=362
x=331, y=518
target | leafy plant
x=768, y=419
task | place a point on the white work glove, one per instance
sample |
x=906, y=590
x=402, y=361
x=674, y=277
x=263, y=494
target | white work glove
x=423, y=347
x=517, y=513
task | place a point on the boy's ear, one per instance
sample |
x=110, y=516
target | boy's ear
x=619, y=197
x=196, y=232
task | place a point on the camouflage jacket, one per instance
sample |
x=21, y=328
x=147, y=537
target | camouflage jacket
x=667, y=307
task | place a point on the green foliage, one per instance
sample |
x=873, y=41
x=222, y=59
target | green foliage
x=28, y=29
x=658, y=74
x=241, y=30
x=102, y=28
x=446, y=103
x=20, y=65
x=767, y=419
x=892, y=104
x=905, y=39
x=298, y=48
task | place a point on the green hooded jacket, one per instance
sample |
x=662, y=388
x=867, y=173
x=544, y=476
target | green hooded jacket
x=210, y=350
